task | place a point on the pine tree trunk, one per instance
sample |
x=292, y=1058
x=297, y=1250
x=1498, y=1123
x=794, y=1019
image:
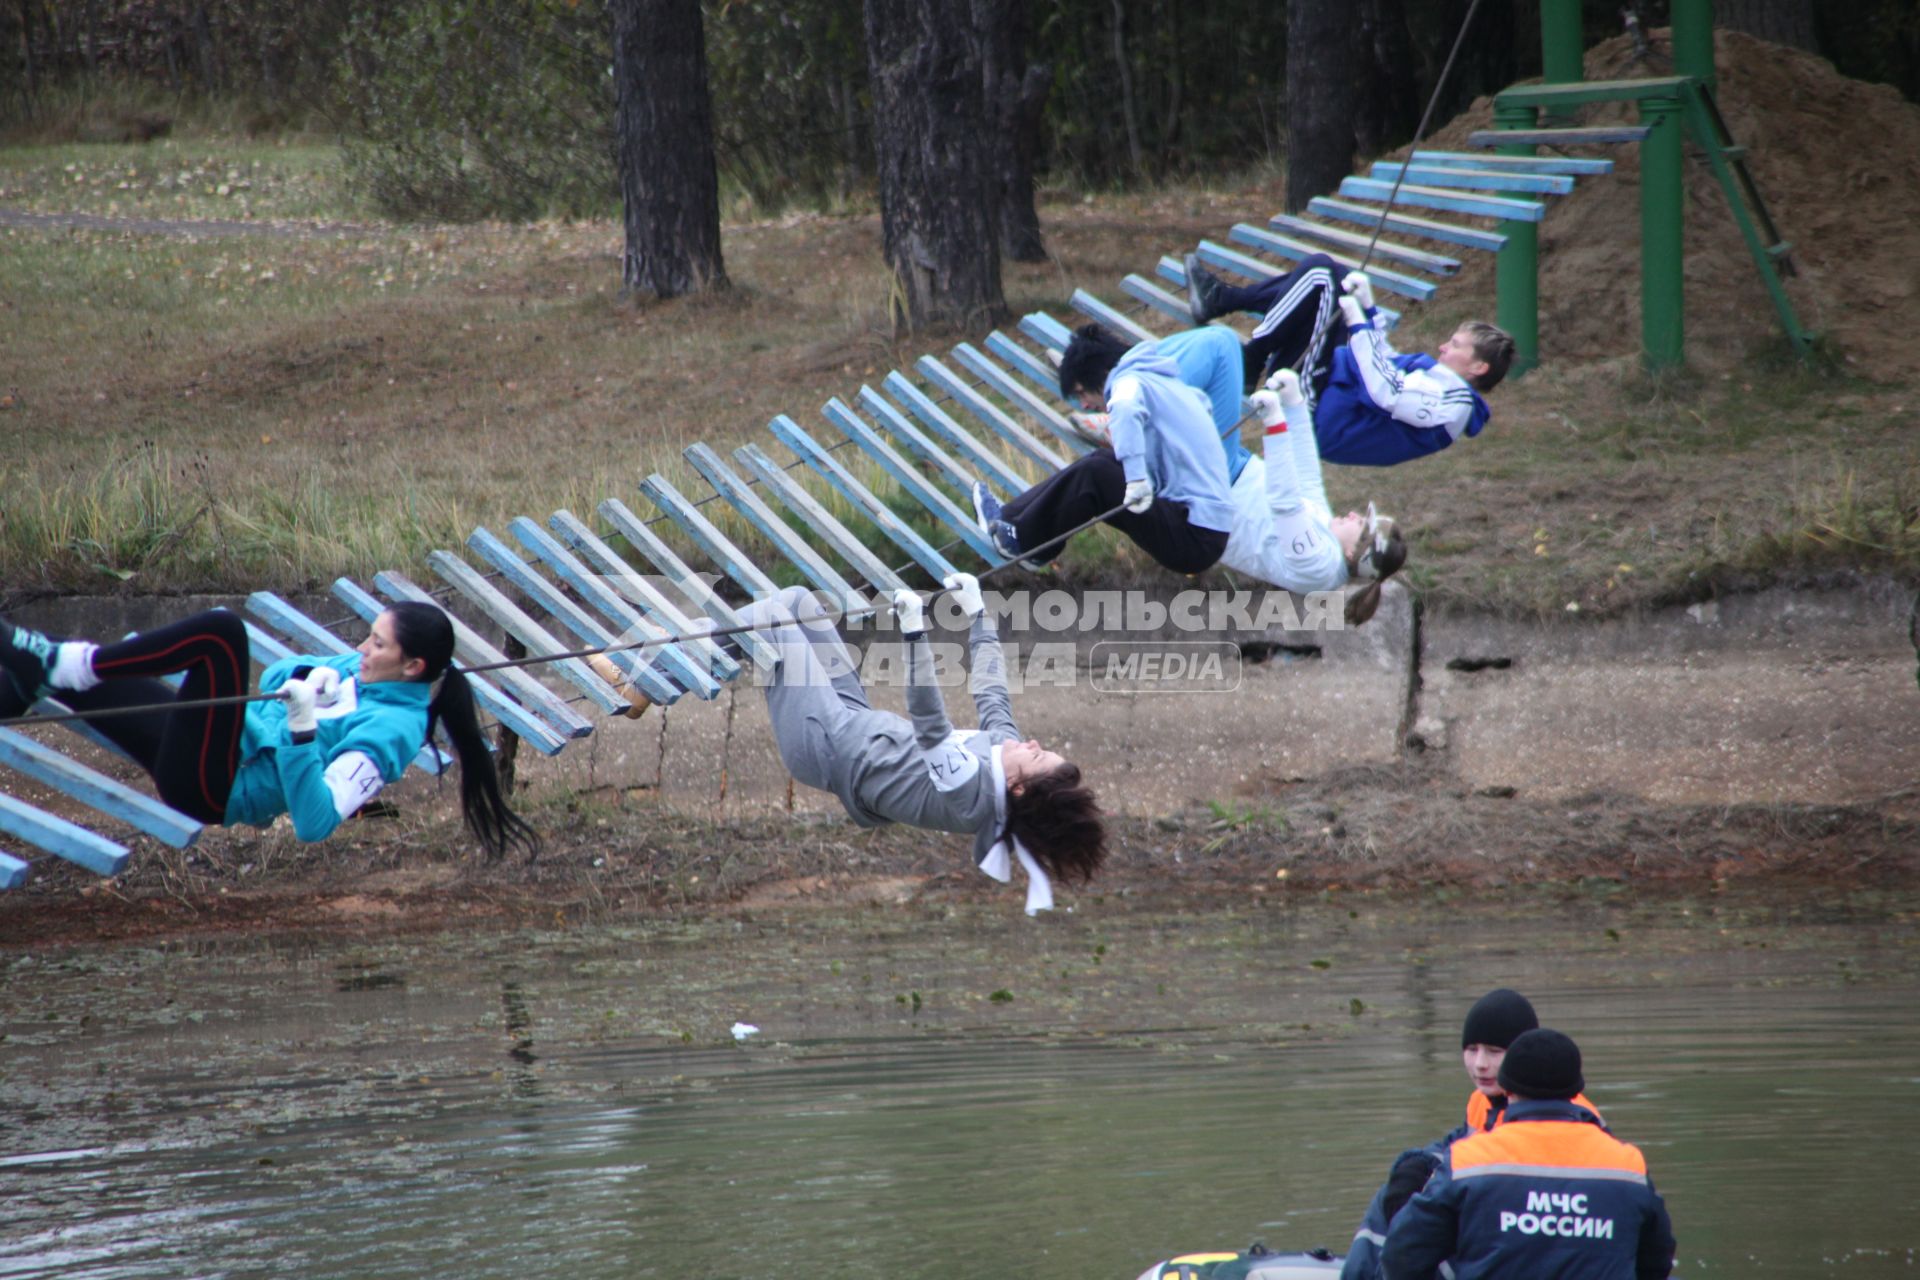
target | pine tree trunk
x=1015, y=96
x=664, y=136
x=1788, y=22
x=1323, y=97
x=937, y=196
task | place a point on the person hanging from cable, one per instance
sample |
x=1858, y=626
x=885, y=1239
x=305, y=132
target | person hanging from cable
x=342, y=727
x=1373, y=406
x=1167, y=467
x=1284, y=530
x=1016, y=798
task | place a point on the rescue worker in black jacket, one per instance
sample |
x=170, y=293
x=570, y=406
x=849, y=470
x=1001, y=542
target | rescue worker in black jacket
x=1548, y=1194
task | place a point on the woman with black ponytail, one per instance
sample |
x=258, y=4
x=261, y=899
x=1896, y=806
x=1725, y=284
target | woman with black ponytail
x=345, y=726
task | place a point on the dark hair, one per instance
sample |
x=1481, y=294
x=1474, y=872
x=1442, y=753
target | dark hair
x=1058, y=820
x=1362, y=604
x=1089, y=358
x=1494, y=345
x=425, y=632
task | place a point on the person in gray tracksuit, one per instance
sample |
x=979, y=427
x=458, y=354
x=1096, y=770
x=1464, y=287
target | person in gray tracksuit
x=1014, y=798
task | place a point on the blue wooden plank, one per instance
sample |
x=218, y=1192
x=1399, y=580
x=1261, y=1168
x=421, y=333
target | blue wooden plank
x=734, y=562
x=916, y=443
x=529, y=726
x=1577, y=166
x=845, y=544
x=474, y=649
x=1577, y=136
x=697, y=588
x=641, y=591
x=989, y=464
x=13, y=872
x=629, y=627
x=1220, y=256
x=97, y=790
x=1112, y=317
x=1437, y=263
x=521, y=625
x=1434, y=175
x=884, y=517
x=1175, y=306
x=967, y=395
x=1384, y=280
x=1038, y=372
x=1032, y=404
x=909, y=478
x=309, y=637
x=1367, y=215
x=1452, y=201
x=61, y=838
x=635, y=664
x=777, y=531
x=1049, y=333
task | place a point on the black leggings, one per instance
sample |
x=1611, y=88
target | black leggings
x=193, y=753
x=1093, y=485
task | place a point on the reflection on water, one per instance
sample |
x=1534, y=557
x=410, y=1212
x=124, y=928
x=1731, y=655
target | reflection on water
x=570, y=1104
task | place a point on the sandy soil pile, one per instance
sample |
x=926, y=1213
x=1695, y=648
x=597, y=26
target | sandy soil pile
x=1834, y=159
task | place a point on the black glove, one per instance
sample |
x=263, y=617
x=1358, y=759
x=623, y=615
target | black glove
x=1410, y=1173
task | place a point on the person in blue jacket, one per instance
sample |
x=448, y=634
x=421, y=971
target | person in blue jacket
x=345, y=725
x=1547, y=1194
x=1167, y=466
x=1373, y=406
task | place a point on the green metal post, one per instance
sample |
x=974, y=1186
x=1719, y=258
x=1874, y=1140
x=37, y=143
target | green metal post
x=1693, y=40
x=1517, y=265
x=1560, y=49
x=1662, y=297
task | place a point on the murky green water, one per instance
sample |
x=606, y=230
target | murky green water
x=572, y=1104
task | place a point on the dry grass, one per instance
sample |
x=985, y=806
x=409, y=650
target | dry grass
x=276, y=410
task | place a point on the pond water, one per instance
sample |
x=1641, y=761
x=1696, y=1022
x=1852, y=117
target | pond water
x=933, y=1091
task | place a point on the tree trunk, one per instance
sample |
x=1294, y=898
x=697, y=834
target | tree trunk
x=1323, y=97
x=1124, y=73
x=1015, y=96
x=1788, y=22
x=664, y=138
x=937, y=196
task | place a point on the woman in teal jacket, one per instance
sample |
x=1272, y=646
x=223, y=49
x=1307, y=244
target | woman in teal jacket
x=345, y=726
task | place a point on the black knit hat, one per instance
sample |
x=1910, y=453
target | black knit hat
x=1497, y=1018
x=1543, y=1063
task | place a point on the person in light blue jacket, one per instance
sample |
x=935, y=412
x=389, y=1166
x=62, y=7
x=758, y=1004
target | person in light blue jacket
x=344, y=726
x=1167, y=467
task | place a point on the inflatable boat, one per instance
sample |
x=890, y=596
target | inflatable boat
x=1256, y=1262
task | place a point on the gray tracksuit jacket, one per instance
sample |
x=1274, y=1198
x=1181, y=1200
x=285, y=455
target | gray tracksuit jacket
x=885, y=769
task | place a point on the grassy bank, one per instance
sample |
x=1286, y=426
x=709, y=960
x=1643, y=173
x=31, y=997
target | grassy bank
x=234, y=411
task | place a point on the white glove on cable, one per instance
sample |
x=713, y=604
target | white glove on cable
x=1287, y=383
x=1138, y=497
x=1267, y=405
x=966, y=593
x=325, y=683
x=910, y=610
x=1360, y=288
x=1354, y=314
x=300, y=708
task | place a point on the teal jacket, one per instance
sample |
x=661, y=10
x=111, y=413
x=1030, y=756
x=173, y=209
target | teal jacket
x=389, y=726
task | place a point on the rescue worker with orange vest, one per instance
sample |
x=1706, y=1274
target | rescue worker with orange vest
x=1547, y=1194
x=1495, y=1021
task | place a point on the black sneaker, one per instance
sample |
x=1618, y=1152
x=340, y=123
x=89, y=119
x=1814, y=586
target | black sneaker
x=27, y=656
x=1203, y=291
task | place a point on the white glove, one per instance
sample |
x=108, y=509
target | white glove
x=1267, y=405
x=325, y=683
x=910, y=610
x=1138, y=497
x=1359, y=288
x=1287, y=383
x=966, y=594
x=300, y=707
x=1353, y=312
